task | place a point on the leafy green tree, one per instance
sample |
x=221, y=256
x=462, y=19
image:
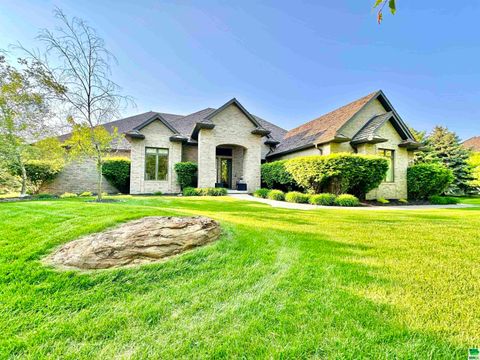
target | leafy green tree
x=92, y=142
x=474, y=162
x=77, y=63
x=444, y=146
x=419, y=135
x=24, y=116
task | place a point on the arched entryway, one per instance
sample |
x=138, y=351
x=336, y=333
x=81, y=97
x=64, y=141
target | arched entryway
x=230, y=166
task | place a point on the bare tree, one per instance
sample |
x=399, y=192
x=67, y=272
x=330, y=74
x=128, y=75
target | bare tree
x=75, y=61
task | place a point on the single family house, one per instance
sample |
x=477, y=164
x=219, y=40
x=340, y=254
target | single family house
x=229, y=145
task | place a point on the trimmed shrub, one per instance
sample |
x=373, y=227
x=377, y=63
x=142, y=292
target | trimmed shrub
x=276, y=195
x=403, y=201
x=68, y=195
x=117, y=171
x=86, y=194
x=428, y=179
x=186, y=174
x=338, y=173
x=325, y=199
x=275, y=176
x=44, y=196
x=296, y=197
x=346, y=200
x=443, y=200
x=190, y=191
x=157, y=193
x=383, y=200
x=217, y=192
x=261, y=193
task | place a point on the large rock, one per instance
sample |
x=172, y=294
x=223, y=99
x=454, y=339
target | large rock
x=136, y=242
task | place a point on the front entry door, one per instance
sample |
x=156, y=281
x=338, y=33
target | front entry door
x=224, y=172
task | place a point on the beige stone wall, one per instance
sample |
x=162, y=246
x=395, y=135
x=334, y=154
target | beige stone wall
x=398, y=188
x=232, y=127
x=361, y=118
x=77, y=177
x=190, y=153
x=305, y=152
x=157, y=136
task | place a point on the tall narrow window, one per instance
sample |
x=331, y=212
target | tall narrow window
x=390, y=156
x=156, y=164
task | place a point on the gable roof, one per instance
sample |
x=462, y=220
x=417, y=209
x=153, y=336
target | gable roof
x=182, y=126
x=206, y=122
x=368, y=133
x=327, y=128
x=473, y=143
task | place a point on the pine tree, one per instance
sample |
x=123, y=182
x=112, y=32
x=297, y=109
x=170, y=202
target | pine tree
x=444, y=146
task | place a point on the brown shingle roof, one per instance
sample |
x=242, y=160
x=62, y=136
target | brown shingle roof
x=472, y=143
x=321, y=129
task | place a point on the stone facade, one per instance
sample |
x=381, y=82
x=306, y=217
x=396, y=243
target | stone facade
x=402, y=157
x=157, y=135
x=77, y=177
x=190, y=153
x=232, y=127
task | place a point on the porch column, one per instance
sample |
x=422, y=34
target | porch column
x=207, y=166
x=252, y=159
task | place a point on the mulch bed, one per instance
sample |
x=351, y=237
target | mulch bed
x=396, y=203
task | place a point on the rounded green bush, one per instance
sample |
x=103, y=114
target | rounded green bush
x=276, y=195
x=261, y=193
x=217, y=192
x=86, y=194
x=186, y=174
x=346, y=200
x=325, y=199
x=443, y=200
x=68, y=195
x=190, y=191
x=275, y=176
x=117, y=171
x=297, y=197
x=426, y=180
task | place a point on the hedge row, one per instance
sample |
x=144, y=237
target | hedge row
x=335, y=173
x=325, y=199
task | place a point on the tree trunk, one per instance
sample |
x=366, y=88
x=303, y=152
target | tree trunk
x=23, y=191
x=100, y=178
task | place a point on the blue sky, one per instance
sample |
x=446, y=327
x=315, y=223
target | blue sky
x=285, y=61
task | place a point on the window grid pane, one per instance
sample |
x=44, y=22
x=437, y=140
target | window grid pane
x=389, y=155
x=156, y=164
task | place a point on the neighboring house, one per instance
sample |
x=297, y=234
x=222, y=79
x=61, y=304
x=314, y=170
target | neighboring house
x=229, y=144
x=472, y=144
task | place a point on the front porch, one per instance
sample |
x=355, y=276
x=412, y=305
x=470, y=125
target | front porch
x=230, y=167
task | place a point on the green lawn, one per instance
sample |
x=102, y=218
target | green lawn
x=279, y=284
